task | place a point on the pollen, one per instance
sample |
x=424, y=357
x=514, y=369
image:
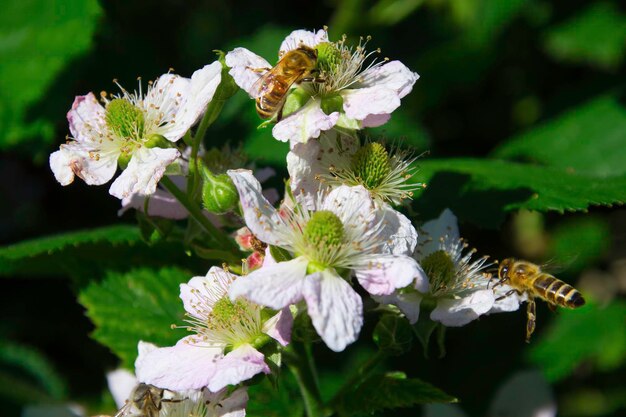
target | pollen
x=371, y=164
x=324, y=228
x=124, y=118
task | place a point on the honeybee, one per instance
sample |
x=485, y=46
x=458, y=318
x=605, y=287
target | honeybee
x=294, y=67
x=145, y=401
x=528, y=278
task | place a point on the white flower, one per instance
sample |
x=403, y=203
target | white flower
x=459, y=290
x=221, y=351
x=338, y=159
x=129, y=130
x=345, y=235
x=353, y=94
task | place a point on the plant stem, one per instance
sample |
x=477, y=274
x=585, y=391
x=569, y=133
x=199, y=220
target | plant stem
x=214, y=233
x=300, y=363
x=359, y=376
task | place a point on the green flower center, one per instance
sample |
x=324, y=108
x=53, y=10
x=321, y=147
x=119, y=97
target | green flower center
x=324, y=228
x=440, y=269
x=328, y=56
x=225, y=313
x=371, y=164
x=124, y=118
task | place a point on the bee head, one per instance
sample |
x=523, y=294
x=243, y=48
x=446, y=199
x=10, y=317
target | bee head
x=505, y=267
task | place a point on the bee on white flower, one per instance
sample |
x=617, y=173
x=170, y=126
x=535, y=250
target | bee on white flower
x=352, y=90
x=343, y=236
x=459, y=287
x=133, y=130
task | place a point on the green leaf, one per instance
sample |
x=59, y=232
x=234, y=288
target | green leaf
x=139, y=305
x=31, y=373
x=267, y=400
x=576, y=243
x=393, y=334
x=588, y=139
x=86, y=254
x=389, y=391
x=481, y=191
x=39, y=38
x=589, y=334
x=595, y=36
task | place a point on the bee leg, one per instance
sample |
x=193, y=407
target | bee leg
x=552, y=307
x=531, y=316
x=259, y=69
x=313, y=80
x=502, y=297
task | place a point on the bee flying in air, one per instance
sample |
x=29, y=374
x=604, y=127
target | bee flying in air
x=294, y=67
x=528, y=278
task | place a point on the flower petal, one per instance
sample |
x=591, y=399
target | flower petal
x=275, y=286
x=246, y=68
x=201, y=293
x=445, y=226
x=336, y=310
x=302, y=37
x=144, y=171
x=239, y=365
x=509, y=302
x=279, y=326
x=398, y=233
x=87, y=119
x=393, y=75
x=387, y=273
x=459, y=312
x=375, y=120
x=408, y=303
x=121, y=384
x=234, y=405
x=160, y=204
x=306, y=123
x=91, y=165
x=260, y=216
x=190, y=103
x=353, y=206
x=361, y=103
x=180, y=367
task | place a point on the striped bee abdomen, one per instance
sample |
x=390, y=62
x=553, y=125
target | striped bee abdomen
x=557, y=292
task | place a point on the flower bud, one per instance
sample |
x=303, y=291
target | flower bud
x=219, y=194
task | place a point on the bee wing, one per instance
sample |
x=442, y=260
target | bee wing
x=126, y=409
x=263, y=85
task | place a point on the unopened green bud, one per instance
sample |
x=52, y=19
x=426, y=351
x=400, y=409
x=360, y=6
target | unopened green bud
x=371, y=164
x=219, y=194
x=124, y=118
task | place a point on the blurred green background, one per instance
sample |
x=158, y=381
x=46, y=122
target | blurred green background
x=528, y=93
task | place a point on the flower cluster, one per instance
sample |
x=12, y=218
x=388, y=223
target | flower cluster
x=336, y=245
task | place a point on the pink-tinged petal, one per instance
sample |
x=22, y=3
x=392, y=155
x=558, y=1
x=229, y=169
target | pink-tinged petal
x=375, y=120
x=398, y=233
x=237, y=366
x=304, y=165
x=306, y=123
x=393, y=75
x=87, y=119
x=431, y=232
x=302, y=37
x=160, y=204
x=187, y=106
x=361, y=103
x=279, y=326
x=121, y=383
x=275, y=286
x=243, y=237
x=201, y=293
x=408, y=303
x=90, y=165
x=264, y=174
x=336, y=310
x=234, y=405
x=388, y=273
x=143, y=173
x=261, y=217
x=459, y=312
x=354, y=207
x=246, y=68
x=183, y=366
